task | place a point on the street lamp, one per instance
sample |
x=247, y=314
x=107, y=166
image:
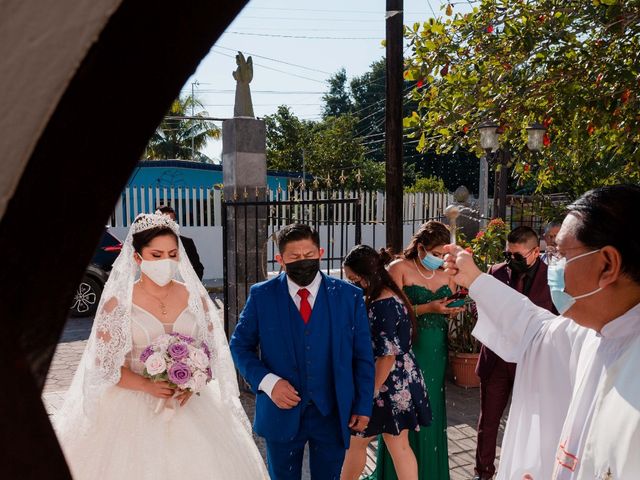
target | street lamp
x=535, y=136
x=489, y=143
x=488, y=135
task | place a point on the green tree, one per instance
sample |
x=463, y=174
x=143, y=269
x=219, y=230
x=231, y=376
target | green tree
x=287, y=138
x=337, y=100
x=182, y=139
x=368, y=96
x=427, y=184
x=332, y=152
x=336, y=153
x=572, y=66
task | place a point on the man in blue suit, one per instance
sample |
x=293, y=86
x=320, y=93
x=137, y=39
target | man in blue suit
x=303, y=345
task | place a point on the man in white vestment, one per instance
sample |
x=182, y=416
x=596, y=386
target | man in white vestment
x=575, y=412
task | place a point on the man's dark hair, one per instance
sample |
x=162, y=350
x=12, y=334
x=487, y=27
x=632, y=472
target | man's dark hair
x=295, y=232
x=166, y=209
x=523, y=234
x=606, y=218
x=552, y=224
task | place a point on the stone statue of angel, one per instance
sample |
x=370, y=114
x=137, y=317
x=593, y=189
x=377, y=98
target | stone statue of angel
x=243, y=75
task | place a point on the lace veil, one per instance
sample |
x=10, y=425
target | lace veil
x=110, y=339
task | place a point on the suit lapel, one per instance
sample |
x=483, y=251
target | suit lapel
x=331, y=290
x=283, y=298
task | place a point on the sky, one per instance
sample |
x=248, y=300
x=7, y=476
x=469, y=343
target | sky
x=296, y=46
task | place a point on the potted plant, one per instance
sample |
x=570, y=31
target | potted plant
x=487, y=248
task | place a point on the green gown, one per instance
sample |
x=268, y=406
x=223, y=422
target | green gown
x=430, y=349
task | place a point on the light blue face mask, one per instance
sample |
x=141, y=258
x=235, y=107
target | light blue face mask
x=431, y=262
x=555, y=278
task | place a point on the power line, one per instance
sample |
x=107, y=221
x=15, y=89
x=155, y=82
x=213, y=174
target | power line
x=275, y=60
x=315, y=19
x=366, y=12
x=262, y=104
x=277, y=92
x=305, y=37
x=275, y=69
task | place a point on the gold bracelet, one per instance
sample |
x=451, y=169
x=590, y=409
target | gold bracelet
x=415, y=310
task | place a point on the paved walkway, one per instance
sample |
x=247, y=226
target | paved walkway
x=462, y=404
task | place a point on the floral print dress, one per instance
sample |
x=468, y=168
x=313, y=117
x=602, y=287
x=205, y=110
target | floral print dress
x=402, y=402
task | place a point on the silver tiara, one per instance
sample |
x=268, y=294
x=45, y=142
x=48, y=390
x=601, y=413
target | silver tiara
x=145, y=221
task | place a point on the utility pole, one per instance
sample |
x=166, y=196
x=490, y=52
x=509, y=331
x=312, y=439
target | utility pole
x=193, y=84
x=393, y=124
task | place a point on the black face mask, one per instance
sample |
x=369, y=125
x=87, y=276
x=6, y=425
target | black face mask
x=302, y=272
x=358, y=284
x=516, y=262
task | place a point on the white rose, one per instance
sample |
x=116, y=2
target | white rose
x=199, y=380
x=155, y=364
x=199, y=358
x=163, y=341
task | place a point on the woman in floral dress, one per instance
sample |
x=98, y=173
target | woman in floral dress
x=400, y=402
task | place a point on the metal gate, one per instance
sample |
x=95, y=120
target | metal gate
x=249, y=246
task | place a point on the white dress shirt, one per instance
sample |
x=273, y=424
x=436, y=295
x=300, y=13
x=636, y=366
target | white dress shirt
x=270, y=379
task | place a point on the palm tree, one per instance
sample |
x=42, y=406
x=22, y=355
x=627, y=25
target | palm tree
x=182, y=139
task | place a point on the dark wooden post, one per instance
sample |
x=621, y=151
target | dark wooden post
x=393, y=124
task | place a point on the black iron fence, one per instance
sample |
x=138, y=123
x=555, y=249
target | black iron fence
x=250, y=247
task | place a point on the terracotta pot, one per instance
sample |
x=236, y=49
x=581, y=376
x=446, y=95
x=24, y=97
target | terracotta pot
x=463, y=367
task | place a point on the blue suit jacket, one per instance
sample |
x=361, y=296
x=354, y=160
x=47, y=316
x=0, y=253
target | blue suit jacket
x=263, y=325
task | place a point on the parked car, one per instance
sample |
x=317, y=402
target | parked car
x=85, y=301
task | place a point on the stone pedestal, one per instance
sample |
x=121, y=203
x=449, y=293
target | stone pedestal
x=468, y=221
x=244, y=169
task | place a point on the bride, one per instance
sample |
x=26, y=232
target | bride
x=117, y=424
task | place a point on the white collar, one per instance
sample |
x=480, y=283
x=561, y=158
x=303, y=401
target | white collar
x=626, y=324
x=313, y=287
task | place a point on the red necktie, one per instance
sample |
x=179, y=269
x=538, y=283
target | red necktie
x=305, y=306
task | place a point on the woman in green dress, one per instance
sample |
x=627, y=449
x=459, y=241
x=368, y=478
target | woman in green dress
x=426, y=285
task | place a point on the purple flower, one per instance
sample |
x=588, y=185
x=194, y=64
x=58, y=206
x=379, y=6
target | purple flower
x=178, y=350
x=179, y=373
x=146, y=353
x=205, y=349
x=184, y=338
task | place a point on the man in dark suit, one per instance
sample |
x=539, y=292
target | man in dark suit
x=188, y=243
x=303, y=344
x=525, y=272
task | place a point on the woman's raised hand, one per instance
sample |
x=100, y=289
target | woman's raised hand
x=460, y=265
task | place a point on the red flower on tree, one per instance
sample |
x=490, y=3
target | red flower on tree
x=546, y=140
x=625, y=96
x=490, y=29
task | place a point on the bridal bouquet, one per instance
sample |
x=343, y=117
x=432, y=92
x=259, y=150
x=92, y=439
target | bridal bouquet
x=179, y=360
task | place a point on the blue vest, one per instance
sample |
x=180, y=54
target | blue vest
x=312, y=345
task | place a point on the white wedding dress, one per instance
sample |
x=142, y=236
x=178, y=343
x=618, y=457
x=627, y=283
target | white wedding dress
x=129, y=440
x=111, y=433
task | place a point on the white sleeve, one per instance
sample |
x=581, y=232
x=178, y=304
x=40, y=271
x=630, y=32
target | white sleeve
x=507, y=320
x=268, y=382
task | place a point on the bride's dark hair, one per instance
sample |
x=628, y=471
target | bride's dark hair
x=142, y=239
x=370, y=265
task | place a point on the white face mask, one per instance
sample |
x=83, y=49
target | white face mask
x=161, y=272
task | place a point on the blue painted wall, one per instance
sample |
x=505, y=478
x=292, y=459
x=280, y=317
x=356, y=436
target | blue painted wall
x=182, y=173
